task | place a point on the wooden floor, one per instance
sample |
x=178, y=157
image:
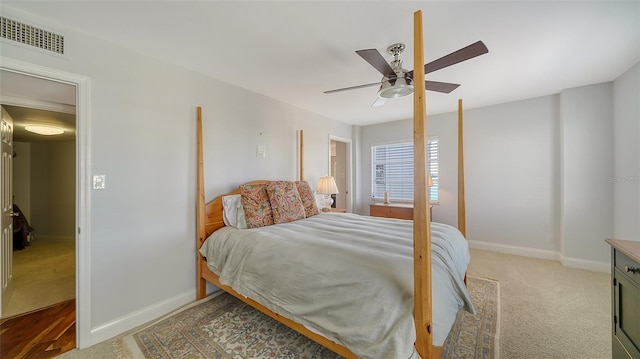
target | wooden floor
x=43, y=333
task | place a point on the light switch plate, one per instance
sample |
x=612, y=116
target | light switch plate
x=98, y=181
x=261, y=151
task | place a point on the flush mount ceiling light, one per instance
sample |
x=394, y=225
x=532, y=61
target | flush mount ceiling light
x=44, y=130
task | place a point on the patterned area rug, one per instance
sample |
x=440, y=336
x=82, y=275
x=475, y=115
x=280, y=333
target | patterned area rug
x=221, y=327
x=476, y=336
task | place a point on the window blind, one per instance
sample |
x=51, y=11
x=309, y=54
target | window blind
x=392, y=170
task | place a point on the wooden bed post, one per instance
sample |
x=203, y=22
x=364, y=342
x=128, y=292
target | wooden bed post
x=200, y=211
x=462, y=220
x=301, y=155
x=421, y=220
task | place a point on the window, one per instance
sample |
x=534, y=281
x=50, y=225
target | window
x=392, y=170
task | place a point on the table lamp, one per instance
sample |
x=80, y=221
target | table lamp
x=326, y=187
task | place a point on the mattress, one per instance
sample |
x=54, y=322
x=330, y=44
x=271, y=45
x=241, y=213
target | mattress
x=345, y=276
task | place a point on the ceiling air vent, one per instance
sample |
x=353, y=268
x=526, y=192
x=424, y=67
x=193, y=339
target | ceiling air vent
x=32, y=36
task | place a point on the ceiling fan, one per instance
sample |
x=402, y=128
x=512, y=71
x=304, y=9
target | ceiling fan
x=398, y=82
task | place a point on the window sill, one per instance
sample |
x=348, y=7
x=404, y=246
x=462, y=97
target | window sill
x=391, y=200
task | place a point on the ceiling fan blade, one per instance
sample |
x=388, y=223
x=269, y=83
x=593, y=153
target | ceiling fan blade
x=444, y=87
x=465, y=53
x=353, y=87
x=476, y=49
x=373, y=57
x=378, y=102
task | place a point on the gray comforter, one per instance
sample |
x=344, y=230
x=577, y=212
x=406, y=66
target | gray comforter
x=345, y=276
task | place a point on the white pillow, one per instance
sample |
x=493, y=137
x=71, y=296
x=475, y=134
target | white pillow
x=233, y=212
x=241, y=220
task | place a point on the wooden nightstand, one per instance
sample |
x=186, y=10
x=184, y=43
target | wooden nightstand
x=394, y=210
x=339, y=210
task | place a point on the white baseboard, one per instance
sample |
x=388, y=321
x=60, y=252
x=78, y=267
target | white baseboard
x=145, y=315
x=515, y=250
x=569, y=262
x=578, y=263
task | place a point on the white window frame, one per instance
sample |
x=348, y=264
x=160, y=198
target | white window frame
x=403, y=185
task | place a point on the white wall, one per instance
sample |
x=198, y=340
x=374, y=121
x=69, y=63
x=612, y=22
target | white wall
x=626, y=147
x=53, y=188
x=538, y=172
x=511, y=170
x=143, y=139
x=587, y=163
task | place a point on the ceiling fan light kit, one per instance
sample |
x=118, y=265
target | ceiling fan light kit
x=399, y=85
x=403, y=87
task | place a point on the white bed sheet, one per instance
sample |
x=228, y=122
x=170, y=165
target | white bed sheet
x=345, y=276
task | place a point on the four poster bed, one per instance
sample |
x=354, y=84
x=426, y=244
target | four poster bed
x=342, y=280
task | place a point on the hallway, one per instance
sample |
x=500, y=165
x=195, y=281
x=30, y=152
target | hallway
x=43, y=274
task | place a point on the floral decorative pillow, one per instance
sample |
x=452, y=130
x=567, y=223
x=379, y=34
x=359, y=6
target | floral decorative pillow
x=308, y=199
x=285, y=201
x=257, y=207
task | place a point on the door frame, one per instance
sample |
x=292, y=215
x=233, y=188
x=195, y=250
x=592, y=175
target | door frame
x=83, y=166
x=349, y=188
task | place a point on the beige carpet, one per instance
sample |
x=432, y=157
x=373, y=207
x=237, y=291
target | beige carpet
x=43, y=274
x=548, y=311
x=224, y=327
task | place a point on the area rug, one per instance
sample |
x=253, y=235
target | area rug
x=221, y=327
x=477, y=336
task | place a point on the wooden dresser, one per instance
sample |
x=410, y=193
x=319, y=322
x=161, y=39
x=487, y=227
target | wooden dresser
x=625, y=296
x=392, y=210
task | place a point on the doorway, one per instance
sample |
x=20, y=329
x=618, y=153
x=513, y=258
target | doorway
x=340, y=170
x=43, y=199
x=54, y=83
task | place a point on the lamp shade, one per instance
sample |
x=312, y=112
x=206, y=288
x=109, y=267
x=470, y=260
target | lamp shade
x=327, y=185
